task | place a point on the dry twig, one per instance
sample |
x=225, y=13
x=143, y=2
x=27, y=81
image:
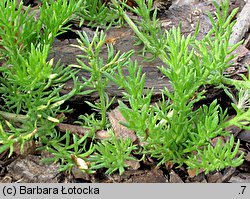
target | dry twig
x=242, y=24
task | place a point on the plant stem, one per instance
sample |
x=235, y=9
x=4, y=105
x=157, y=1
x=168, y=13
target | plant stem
x=132, y=25
x=240, y=120
x=237, y=83
x=14, y=117
x=103, y=107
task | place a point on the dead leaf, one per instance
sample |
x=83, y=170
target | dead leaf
x=192, y=172
x=115, y=117
x=81, y=164
x=110, y=40
x=6, y=179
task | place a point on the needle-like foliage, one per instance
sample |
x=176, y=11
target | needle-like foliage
x=170, y=130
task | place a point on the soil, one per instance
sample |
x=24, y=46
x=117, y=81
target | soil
x=29, y=168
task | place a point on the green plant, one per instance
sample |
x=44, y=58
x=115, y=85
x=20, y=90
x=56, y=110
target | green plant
x=96, y=13
x=112, y=154
x=150, y=27
x=14, y=135
x=18, y=29
x=30, y=84
x=170, y=130
x=21, y=28
x=70, y=153
x=54, y=16
x=175, y=132
x=150, y=32
x=133, y=84
x=96, y=67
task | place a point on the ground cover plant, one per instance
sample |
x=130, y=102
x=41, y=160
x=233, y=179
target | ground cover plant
x=170, y=131
x=96, y=13
x=30, y=84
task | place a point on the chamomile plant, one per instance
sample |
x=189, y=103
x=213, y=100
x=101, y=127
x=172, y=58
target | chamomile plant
x=30, y=83
x=96, y=66
x=97, y=13
x=173, y=130
x=170, y=130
